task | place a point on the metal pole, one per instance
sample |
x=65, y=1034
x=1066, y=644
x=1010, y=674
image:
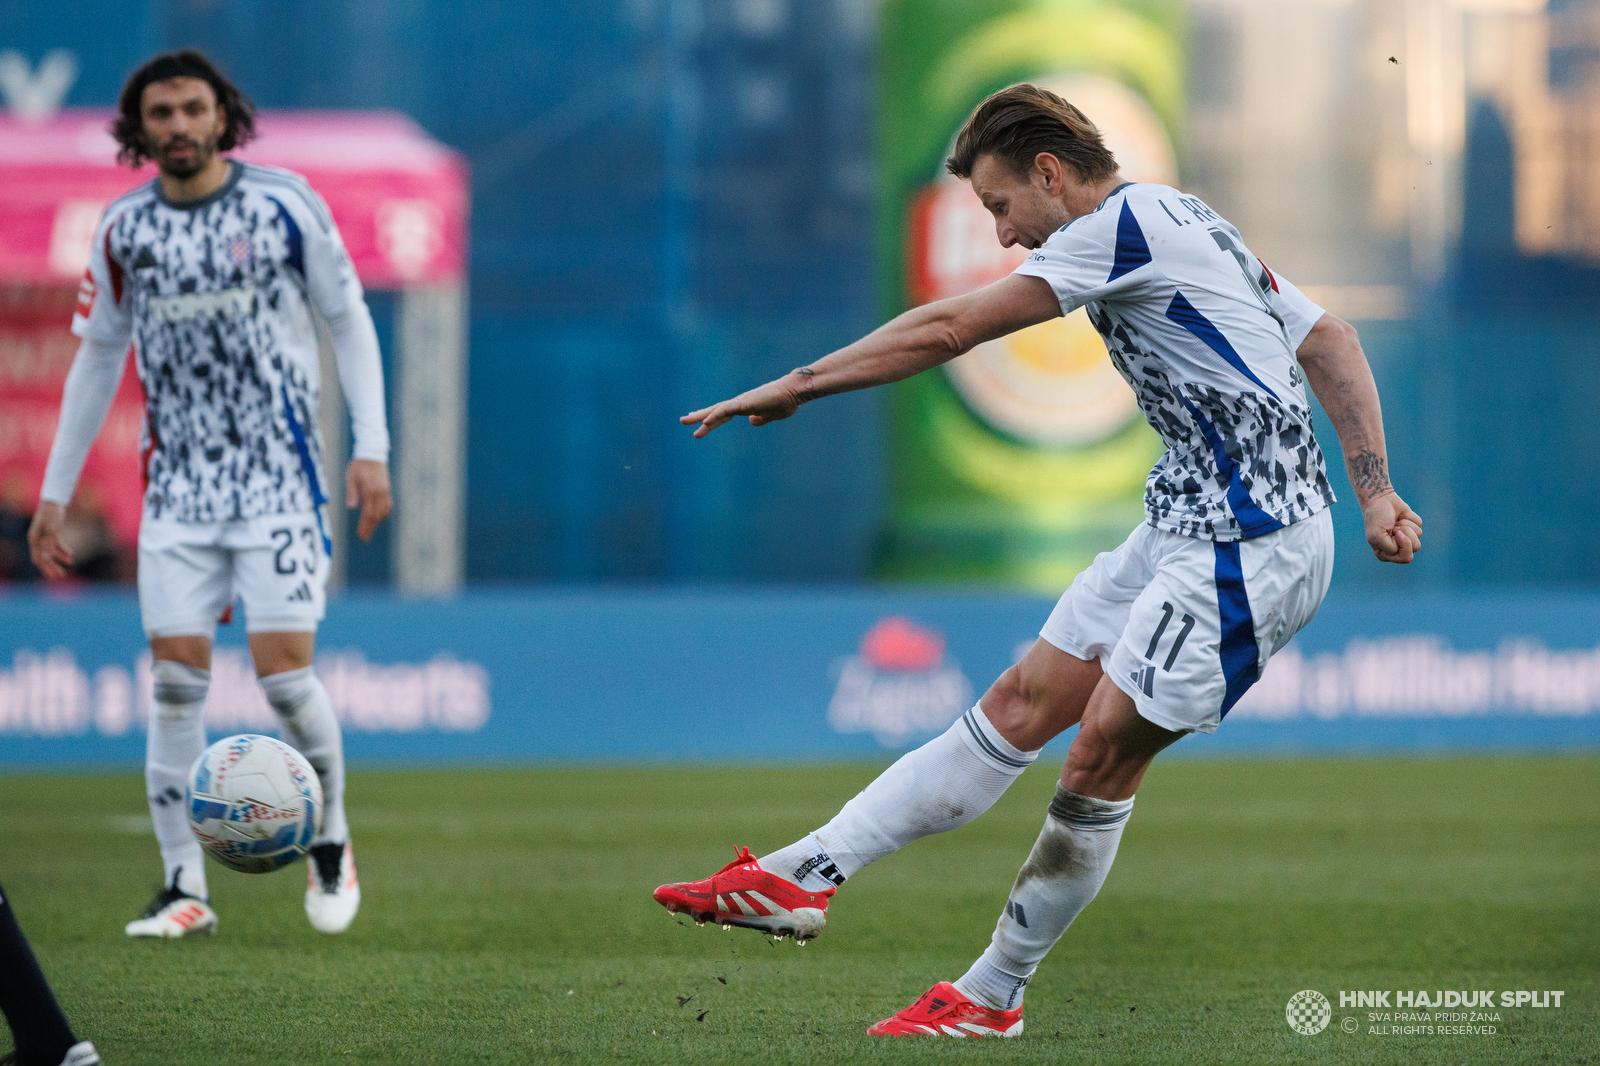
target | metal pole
x=430, y=482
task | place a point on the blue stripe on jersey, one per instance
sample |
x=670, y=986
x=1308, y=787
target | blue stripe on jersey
x=1132, y=251
x=295, y=183
x=292, y=237
x=303, y=448
x=1240, y=655
x=1253, y=521
x=1181, y=311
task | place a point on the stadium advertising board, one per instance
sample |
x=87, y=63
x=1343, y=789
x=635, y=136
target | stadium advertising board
x=784, y=674
x=1020, y=460
x=399, y=198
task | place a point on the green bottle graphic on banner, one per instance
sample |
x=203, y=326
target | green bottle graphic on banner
x=1022, y=459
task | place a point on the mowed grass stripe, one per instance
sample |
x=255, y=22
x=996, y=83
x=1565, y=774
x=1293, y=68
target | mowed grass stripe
x=506, y=918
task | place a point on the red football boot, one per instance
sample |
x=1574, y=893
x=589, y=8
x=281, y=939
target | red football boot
x=743, y=894
x=942, y=1011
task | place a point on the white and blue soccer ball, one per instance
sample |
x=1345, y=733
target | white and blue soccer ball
x=254, y=803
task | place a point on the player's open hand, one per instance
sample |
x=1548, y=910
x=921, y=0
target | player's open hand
x=44, y=540
x=1394, y=530
x=366, y=484
x=771, y=402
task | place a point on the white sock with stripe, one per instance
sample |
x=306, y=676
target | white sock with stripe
x=1065, y=870
x=176, y=739
x=311, y=726
x=942, y=785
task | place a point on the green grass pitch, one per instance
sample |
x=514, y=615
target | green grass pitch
x=507, y=919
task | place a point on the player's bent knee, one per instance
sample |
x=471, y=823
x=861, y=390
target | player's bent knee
x=1026, y=715
x=1091, y=762
x=191, y=650
x=180, y=691
x=1112, y=751
x=1003, y=703
x=277, y=653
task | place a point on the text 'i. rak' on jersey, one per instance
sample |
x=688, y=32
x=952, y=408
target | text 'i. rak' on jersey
x=216, y=296
x=1206, y=336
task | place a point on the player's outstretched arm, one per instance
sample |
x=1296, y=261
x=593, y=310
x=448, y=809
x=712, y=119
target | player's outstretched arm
x=1338, y=373
x=921, y=338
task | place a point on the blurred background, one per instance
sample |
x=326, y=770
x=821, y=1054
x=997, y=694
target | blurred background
x=576, y=222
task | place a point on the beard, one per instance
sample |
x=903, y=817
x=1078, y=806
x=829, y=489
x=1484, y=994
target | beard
x=198, y=160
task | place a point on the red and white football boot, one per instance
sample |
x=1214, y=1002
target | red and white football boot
x=943, y=1011
x=743, y=894
x=173, y=914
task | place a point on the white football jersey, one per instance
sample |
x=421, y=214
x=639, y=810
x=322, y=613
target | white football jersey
x=216, y=297
x=1206, y=336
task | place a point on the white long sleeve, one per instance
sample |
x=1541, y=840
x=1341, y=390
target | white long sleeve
x=355, y=344
x=335, y=291
x=91, y=384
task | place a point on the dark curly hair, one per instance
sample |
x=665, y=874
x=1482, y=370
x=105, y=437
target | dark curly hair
x=185, y=63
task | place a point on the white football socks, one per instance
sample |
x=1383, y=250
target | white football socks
x=942, y=785
x=310, y=725
x=1067, y=866
x=177, y=737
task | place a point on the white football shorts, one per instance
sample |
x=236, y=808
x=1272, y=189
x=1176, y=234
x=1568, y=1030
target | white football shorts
x=190, y=573
x=1186, y=626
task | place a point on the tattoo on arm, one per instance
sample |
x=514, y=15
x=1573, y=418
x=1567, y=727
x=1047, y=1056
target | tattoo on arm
x=803, y=393
x=1370, y=473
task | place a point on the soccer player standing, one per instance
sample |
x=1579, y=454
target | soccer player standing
x=1156, y=639
x=212, y=270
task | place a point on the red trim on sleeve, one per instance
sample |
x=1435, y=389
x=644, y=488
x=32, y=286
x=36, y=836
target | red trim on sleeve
x=1271, y=278
x=86, y=294
x=114, y=269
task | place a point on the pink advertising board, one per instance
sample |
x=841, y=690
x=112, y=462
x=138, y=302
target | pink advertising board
x=399, y=197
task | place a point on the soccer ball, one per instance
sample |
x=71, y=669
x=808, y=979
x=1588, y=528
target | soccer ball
x=254, y=803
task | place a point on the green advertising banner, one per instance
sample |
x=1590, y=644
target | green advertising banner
x=1022, y=459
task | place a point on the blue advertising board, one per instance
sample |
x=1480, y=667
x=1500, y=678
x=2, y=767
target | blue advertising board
x=780, y=673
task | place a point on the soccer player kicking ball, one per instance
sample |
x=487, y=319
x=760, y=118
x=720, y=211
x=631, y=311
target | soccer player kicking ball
x=212, y=270
x=1161, y=636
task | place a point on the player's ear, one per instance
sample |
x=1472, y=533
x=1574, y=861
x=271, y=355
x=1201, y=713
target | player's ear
x=1048, y=168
